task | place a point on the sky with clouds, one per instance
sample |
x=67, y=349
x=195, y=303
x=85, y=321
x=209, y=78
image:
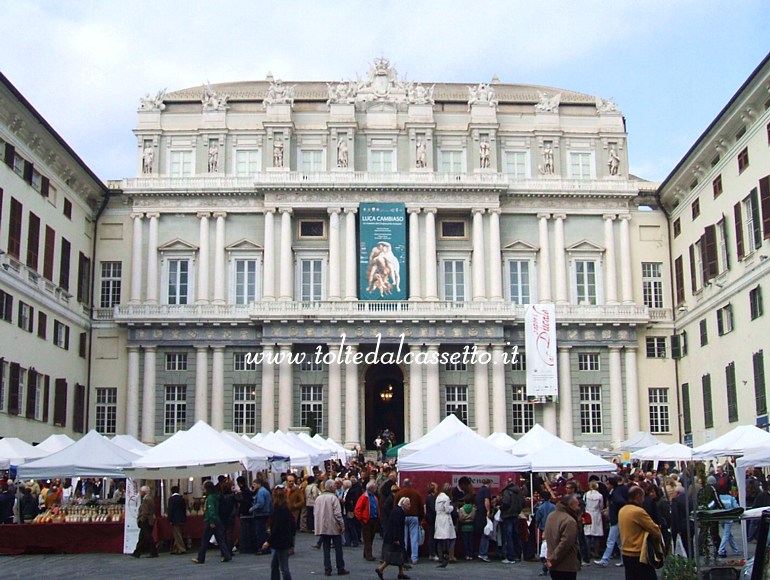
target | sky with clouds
x=669, y=65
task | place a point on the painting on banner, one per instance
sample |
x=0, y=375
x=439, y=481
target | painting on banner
x=540, y=344
x=382, y=256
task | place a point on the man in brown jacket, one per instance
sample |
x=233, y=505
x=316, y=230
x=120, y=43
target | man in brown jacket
x=634, y=521
x=145, y=519
x=329, y=526
x=414, y=515
x=561, y=537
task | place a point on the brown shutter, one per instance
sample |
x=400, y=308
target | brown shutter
x=64, y=265
x=46, y=398
x=31, y=393
x=13, y=389
x=45, y=187
x=679, y=275
x=739, y=231
x=10, y=153
x=27, y=172
x=704, y=261
x=711, y=261
x=764, y=195
x=50, y=248
x=79, y=412
x=693, y=274
x=60, y=403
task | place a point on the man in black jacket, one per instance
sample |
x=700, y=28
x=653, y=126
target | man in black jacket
x=177, y=517
x=511, y=504
x=247, y=531
x=618, y=497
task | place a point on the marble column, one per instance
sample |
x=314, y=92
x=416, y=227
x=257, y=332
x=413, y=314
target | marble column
x=499, y=421
x=351, y=248
x=335, y=395
x=414, y=254
x=203, y=259
x=495, y=256
x=219, y=259
x=626, y=275
x=201, y=383
x=267, y=423
x=136, y=260
x=218, y=388
x=610, y=275
x=549, y=418
x=481, y=388
x=433, y=394
x=560, y=260
x=132, y=393
x=352, y=411
x=616, y=398
x=416, y=403
x=285, y=291
x=632, y=392
x=478, y=268
x=152, y=259
x=334, y=253
x=148, y=396
x=285, y=388
x=431, y=267
x=544, y=262
x=566, y=431
x=268, y=264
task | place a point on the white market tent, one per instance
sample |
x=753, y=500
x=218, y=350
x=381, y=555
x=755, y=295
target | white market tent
x=533, y=441
x=55, y=443
x=564, y=457
x=462, y=453
x=342, y=452
x=131, y=444
x=197, y=452
x=502, y=441
x=734, y=442
x=317, y=456
x=91, y=456
x=451, y=425
x=664, y=452
x=642, y=440
x=277, y=446
x=14, y=451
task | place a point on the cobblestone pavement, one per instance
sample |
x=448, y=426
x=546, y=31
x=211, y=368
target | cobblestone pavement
x=306, y=563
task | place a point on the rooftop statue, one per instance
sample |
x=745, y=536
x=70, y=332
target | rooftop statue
x=606, y=106
x=148, y=103
x=279, y=93
x=548, y=103
x=343, y=93
x=419, y=95
x=483, y=94
x=381, y=85
x=213, y=101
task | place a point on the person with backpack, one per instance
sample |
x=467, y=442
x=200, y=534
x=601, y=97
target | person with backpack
x=466, y=517
x=511, y=504
x=212, y=526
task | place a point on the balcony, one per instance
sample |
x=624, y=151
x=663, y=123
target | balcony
x=257, y=312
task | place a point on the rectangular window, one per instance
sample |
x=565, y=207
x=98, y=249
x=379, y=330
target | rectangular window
x=725, y=320
x=112, y=273
x=519, y=362
x=455, y=364
x=659, y=414
x=753, y=228
x=743, y=159
x=14, y=229
x=64, y=265
x=760, y=393
x=107, y=410
x=245, y=281
x=247, y=162
x=178, y=281
x=311, y=229
x=61, y=335
x=42, y=325
x=457, y=401
x=176, y=361
x=656, y=346
x=451, y=162
x=84, y=279
x=724, y=256
x=175, y=409
x=453, y=230
x=588, y=361
x=516, y=164
x=381, y=161
x=60, y=403
x=181, y=164
x=454, y=280
x=33, y=241
x=652, y=284
x=241, y=364
x=26, y=316
x=695, y=208
x=310, y=363
x=732, y=393
x=519, y=281
x=590, y=408
x=311, y=280
x=245, y=409
x=704, y=332
x=686, y=414
x=523, y=411
x=585, y=272
x=717, y=186
x=311, y=160
x=311, y=407
x=6, y=306
x=580, y=165
x=48, y=255
x=708, y=409
x=677, y=227
x=755, y=302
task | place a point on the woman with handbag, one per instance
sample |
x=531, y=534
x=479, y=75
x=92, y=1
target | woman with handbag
x=393, y=540
x=593, y=527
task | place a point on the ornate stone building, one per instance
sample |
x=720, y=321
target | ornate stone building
x=245, y=232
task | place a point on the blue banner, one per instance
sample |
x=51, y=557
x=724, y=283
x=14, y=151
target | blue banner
x=382, y=257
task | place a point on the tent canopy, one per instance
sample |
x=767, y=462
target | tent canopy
x=462, y=453
x=14, y=451
x=562, y=456
x=734, y=442
x=502, y=441
x=642, y=440
x=448, y=427
x=279, y=446
x=55, y=443
x=92, y=456
x=664, y=452
x=131, y=444
x=534, y=440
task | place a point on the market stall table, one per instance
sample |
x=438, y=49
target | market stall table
x=193, y=530
x=62, y=538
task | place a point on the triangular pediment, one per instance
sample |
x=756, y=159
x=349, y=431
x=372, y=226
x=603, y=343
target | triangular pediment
x=520, y=246
x=178, y=245
x=585, y=246
x=244, y=245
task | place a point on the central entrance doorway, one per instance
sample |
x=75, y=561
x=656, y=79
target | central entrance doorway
x=384, y=402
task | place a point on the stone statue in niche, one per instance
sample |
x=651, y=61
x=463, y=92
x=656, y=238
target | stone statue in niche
x=484, y=153
x=148, y=103
x=213, y=157
x=421, y=153
x=342, y=153
x=278, y=151
x=547, y=167
x=148, y=154
x=613, y=162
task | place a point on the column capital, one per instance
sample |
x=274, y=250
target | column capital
x=284, y=210
x=477, y=210
x=615, y=348
x=495, y=210
x=411, y=210
x=609, y=216
x=284, y=345
x=353, y=210
x=565, y=348
x=218, y=348
x=631, y=347
x=219, y=214
x=200, y=347
x=543, y=216
x=267, y=210
x=625, y=216
x=149, y=348
x=203, y=214
x=154, y=215
x=132, y=348
x=265, y=345
x=138, y=215
x=559, y=216
x=430, y=210
x=333, y=210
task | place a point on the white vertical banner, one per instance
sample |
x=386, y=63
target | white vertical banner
x=130, y=529
x=540, y=345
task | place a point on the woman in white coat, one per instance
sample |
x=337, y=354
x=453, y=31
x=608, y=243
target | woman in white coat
x=445, y=529
x=594, y=531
